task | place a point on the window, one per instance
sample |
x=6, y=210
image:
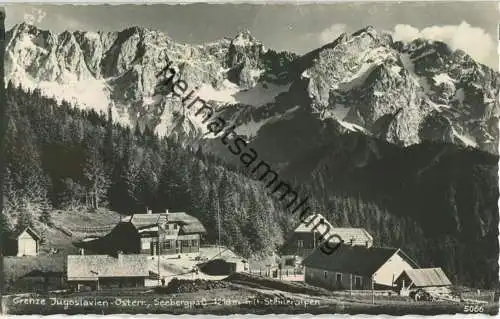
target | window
x=300, y=243
x=175, y=226
x=325, y=274
x=338, y=277
x=194, y=243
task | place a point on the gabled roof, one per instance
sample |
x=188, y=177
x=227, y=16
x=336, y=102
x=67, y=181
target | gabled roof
x=189, y=224
x=320, y=224
x=29, y=230
x=358, y=260
x=358, y=236
x=91, y=267
x=427, y=277
x=146, y=220
x=314, y=220
x=30, y=265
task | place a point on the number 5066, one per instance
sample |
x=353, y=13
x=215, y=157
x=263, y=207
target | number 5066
x=473, y=308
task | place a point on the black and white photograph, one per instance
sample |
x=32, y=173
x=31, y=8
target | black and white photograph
x=249, y=158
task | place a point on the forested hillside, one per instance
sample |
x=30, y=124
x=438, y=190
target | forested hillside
x=61, y=157
x=450, y=192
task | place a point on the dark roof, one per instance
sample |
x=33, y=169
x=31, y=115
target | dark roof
x=124, y=237
x=188, y=223
x=358, y=260
x=427, y=277
x=91, y=267
x=29, y=230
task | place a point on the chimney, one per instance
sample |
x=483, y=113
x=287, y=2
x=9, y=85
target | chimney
x=119, y=255
x=148, y=211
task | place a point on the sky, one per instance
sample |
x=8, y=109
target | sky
x=470, y=26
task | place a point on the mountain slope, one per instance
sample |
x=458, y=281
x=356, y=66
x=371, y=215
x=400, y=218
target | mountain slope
x=366, y=125
x=450, y=192
x=402, y=93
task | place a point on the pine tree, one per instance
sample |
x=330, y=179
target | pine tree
x=147, y=182
x=97, y=181
x=45, y=216
x=24, y=220
x=5, y=232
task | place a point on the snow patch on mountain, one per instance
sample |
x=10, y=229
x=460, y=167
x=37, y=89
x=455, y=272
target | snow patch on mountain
x=340, y=111
x=26, y=43
x=358, y=78
x=436, y=106
x=443, y=78
x=251, y=128
x=466, y=140
x=230, y=93
x=354, y=127
x=90, y=93
x=459, y=96
x=408, y=64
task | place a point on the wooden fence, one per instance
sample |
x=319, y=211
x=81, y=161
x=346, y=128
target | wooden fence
x=481, y=295
x=85, y=229
x=276, y=273
x=93, y=229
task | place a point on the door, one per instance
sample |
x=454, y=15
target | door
x=358, y=282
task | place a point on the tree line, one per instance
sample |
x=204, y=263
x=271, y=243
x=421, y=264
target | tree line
x=61, y=157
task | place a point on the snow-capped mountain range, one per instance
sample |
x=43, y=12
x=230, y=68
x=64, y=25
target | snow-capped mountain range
x=404, y=93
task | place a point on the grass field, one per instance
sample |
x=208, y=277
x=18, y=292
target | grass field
x=239, y=296
x=221, y=301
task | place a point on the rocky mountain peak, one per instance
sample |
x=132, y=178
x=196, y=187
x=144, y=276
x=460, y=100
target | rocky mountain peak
x=364, y=81
x=244, y=38
x=25, y=27
x=368, y=83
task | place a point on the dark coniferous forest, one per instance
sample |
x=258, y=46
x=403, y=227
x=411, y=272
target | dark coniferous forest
x=60, y=157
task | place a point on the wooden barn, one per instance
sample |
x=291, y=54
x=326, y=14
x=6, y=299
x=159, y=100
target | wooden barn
x=103, y=271
x=356, y=267
x=423, y=278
